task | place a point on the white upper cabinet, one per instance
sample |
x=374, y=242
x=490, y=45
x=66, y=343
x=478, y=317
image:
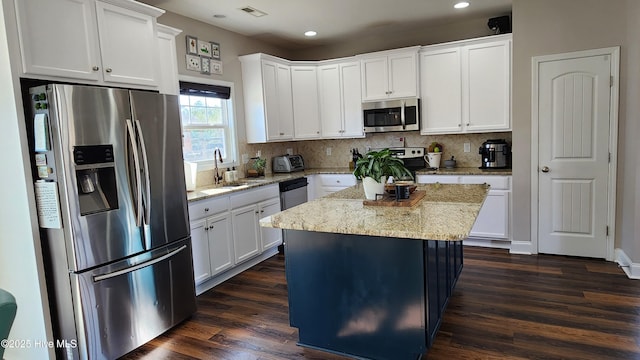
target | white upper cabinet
x=268, y=101
x=168, y=60
x=340, y=100
x=89, y=40
x=390, y=74
x=486, y=69
x=306, y=111
x=466, y=86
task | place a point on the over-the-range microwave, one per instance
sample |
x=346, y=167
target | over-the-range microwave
x=392, y=115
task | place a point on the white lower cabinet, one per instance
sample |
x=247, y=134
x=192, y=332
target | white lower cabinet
x=493, y=222
x=330, y=183
x=212, y=248
x=226, y=236
x=246, y=239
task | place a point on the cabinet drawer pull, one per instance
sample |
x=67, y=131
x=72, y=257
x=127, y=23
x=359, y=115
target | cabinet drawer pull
x=261, y=211
x=206, y=228
x=206, y=209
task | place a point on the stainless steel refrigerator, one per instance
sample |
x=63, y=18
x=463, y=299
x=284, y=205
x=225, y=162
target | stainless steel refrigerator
x=112, y=206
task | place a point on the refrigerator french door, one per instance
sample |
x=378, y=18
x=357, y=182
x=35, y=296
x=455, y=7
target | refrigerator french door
x=111, y=195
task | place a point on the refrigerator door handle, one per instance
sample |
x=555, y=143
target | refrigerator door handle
x=147, y=205
x=136, y=163
x=110, y=275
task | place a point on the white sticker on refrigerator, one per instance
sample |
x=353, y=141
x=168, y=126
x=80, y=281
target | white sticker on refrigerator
x=48, y=204
x=41, y=133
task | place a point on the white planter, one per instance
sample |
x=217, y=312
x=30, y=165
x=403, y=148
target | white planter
x=372, y=187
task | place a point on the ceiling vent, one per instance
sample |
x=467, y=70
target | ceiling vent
x=253, y=11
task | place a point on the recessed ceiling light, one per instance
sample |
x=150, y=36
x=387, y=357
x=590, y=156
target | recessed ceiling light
x=310, y=33
x=461, y=5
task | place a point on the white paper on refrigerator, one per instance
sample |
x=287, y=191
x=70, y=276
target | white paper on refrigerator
x=48, y=205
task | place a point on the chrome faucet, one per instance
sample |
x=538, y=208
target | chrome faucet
x=216, y=176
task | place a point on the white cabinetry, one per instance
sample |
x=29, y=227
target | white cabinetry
x=268, y=99
x=109, y=43
x=306, y=111
x=247, y=208
x=168, y=82
x=340, y=100
x=492, y=227
x=390, y=74
x=330, y=183
x=466, y=86
x=226, y=237
x=210, y=237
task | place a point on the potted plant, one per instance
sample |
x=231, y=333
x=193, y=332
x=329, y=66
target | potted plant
x=374, y=169
x=256, y=167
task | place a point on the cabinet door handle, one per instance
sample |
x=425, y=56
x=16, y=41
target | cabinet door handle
x=108, y=70
x=257, y=212
x=468, y=124
x=261, y=211
x=206, y=209
x=95, y=68
x=281, y=134
x=459, y=125
x=206, y=228
x=338, y=181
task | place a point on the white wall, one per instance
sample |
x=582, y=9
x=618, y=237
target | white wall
x=545, y=27
x=20, y=257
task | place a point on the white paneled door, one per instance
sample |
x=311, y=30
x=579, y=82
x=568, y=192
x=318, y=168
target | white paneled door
x=573, y=155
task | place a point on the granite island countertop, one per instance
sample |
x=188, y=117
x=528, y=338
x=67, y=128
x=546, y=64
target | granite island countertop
x=447, y=212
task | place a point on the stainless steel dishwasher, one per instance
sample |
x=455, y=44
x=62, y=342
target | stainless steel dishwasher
x=292, y=193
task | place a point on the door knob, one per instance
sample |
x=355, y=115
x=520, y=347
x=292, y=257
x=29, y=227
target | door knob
x=545, y=169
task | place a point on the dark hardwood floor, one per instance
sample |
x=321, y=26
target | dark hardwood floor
x=503, y=307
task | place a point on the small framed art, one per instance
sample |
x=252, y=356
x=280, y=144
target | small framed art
x=192, y=45
x=193, y=63
x=205, y=66
x=215, y=51
x=204, y=48
x=216, y=67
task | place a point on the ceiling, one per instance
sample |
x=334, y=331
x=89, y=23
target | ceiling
x=333, y=20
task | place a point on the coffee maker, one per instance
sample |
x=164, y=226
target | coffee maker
x=496, y=154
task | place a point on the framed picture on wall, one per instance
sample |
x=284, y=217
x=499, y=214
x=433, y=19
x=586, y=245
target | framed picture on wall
x=205, y=66
x=193, y=62
x=192, y=45
x=216, y=67
x=215, y=51
x=204, y=48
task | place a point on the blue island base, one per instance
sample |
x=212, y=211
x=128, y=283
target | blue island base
x=369, y=297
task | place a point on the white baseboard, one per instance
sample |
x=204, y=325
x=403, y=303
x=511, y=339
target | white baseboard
x=522, y=247
x=629, y=267
x=220, y=278
x=489, y=243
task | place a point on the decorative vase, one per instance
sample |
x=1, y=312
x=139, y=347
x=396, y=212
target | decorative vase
x=372, y=187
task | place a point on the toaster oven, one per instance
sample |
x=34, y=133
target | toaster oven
x=287, y=163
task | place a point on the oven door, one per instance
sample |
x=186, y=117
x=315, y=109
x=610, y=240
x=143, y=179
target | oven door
x=393, y=115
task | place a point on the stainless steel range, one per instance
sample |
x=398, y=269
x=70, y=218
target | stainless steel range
x=413, y=157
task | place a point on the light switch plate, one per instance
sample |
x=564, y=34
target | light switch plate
x=328, y=151
x=467, y=147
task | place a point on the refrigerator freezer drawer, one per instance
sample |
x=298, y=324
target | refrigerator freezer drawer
x=128, y=303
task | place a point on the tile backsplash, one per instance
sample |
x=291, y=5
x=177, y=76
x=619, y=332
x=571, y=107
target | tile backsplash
x=315, y=152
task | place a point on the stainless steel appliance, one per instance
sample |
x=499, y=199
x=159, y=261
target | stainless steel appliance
x=496, y=154
x=112, y=203
x=413, y=157
x=287, y=163
x=392, y=115
x=292, y=193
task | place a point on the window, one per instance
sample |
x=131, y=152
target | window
x=206, y=112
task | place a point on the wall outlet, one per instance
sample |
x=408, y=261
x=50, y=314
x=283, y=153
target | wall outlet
x=467, y=147
x=290, y=151
x=245, y=158
x=259, y=153
x=328, y=151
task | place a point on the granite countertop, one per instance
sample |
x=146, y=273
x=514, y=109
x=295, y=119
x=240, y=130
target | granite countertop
x=447, y=212
x=464, y=171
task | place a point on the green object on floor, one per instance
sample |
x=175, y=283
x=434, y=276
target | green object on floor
x=8, y=308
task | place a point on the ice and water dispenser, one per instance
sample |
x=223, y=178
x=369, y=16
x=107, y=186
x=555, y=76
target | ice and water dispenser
x=96, y=178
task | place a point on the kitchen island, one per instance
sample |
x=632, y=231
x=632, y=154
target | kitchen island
x=372, y=282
